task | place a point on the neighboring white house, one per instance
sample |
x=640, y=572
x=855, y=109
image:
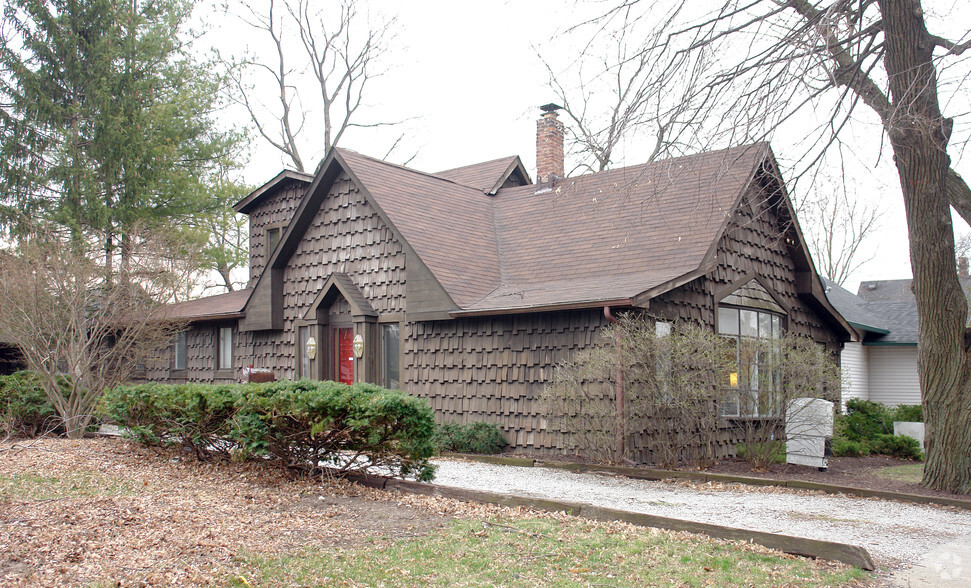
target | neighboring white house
x=882, y=365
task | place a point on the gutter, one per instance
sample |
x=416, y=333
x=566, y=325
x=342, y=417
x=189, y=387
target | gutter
x=625, y=302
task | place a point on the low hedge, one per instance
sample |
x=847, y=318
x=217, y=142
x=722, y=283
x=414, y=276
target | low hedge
x=305, y=426
x=476, y=437
x=25, y=409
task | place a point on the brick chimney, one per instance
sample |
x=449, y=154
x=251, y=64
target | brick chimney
x=549, y=145
x=963, y=267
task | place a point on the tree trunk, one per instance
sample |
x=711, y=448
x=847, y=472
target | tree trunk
x=918, y=135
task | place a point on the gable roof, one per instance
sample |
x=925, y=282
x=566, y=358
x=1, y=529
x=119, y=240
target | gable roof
x=247, y=204
x=617, y=237
x=488, y=176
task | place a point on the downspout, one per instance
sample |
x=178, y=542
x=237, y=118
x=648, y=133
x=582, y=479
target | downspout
x=619, y=386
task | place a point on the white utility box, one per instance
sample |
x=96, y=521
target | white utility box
x=809, y=424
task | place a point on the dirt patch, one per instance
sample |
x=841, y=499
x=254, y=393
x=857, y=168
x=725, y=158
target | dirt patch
x=858, y=472
x=104, y=510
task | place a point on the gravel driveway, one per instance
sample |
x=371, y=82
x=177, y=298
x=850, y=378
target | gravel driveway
x=896, y=534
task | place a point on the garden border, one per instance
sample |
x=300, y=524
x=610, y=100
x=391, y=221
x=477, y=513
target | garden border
x=850, y=554
x=657, y=475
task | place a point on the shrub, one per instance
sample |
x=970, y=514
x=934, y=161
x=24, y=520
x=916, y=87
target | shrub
x=671, y=379
x=864, y=420
x=24, y=406
x=909, y=413
x=898, y=446
x=774, y=453
x=477, y=437
x=847, y=448
x=303, y=426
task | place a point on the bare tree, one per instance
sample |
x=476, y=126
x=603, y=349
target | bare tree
x=625, y=84
x=340, y=48
x=81, y=332
x=837, y=224
x=795, y=61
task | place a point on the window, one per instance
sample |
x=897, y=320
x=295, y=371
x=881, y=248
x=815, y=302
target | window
x=754, y=383
x=180, y=351
x=306, y=362
x=272, y=238
x=389, y=353
x=224, y=355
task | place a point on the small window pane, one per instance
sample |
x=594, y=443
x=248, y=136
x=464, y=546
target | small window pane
x=748, y=323
x=389, y=353
x=765, y=325
x=302, y=337
x=225, y=348
x=776, y=327
x=662, y=329
x=180, y=351
x=272, y=238
x=728, y=321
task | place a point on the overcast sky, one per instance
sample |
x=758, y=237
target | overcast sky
x=465, y=79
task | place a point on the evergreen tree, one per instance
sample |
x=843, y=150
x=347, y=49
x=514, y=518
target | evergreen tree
x=106, y=120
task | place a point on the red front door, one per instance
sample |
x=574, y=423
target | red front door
x=344, y=349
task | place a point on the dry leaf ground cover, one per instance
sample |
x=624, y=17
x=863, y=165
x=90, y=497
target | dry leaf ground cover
x=105, y=512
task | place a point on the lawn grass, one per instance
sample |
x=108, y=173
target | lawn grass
x=30, y=486
x=540, y=552
x=911, y=473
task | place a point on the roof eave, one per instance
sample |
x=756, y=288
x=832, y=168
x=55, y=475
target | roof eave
x=247, y=204
x=623, y=302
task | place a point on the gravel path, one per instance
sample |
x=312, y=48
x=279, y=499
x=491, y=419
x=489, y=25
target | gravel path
x=896, y=534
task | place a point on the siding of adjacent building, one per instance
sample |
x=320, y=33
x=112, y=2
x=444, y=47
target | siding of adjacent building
x=856, y=376
x=893, y=374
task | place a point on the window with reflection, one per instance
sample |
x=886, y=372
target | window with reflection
x=389, y=356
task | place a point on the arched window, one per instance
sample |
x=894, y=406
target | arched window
x=753, y=322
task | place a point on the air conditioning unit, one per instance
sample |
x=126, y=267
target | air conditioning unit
x=809, y=431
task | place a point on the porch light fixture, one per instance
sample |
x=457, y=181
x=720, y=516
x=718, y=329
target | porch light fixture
x=310, y=348
x=733, y=379
x=358, y=346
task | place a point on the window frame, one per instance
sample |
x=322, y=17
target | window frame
x=181, y=336
x=221, y=338
x=754, y=383
x=386, y=380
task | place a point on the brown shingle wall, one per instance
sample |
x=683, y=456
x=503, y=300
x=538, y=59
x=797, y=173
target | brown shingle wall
x=276, y=210
x=346, y=235
x=493, y=369
x=753, y=244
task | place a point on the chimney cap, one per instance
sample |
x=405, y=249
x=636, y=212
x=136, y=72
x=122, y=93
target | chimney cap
x=548, y=108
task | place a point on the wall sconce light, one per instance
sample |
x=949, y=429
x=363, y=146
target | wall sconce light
x=310, y=347
x=733, y=379
x=358, y=346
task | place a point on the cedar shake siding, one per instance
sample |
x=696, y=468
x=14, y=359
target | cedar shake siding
x=493, y=281
x=273, y=212
x=493, y=369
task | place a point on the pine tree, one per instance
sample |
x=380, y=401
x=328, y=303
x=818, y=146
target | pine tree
x=106, y=121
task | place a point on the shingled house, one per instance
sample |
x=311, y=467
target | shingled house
x=467, y=286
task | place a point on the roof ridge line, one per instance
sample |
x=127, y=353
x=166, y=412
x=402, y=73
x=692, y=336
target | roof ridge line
x=408, y=169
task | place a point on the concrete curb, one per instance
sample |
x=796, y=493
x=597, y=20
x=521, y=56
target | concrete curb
x=657, y=475
x=829, y=550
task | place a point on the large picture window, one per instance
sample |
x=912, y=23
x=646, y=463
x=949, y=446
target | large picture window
x=752, y=388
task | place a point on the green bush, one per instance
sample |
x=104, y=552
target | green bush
x=847, y=448
x=864, y=420
x=909, y=413
x=478, y=437
x=305, y=425
x=898, y=446
x=24, y=407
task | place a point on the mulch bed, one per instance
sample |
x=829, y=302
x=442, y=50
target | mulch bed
x=857, y=472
